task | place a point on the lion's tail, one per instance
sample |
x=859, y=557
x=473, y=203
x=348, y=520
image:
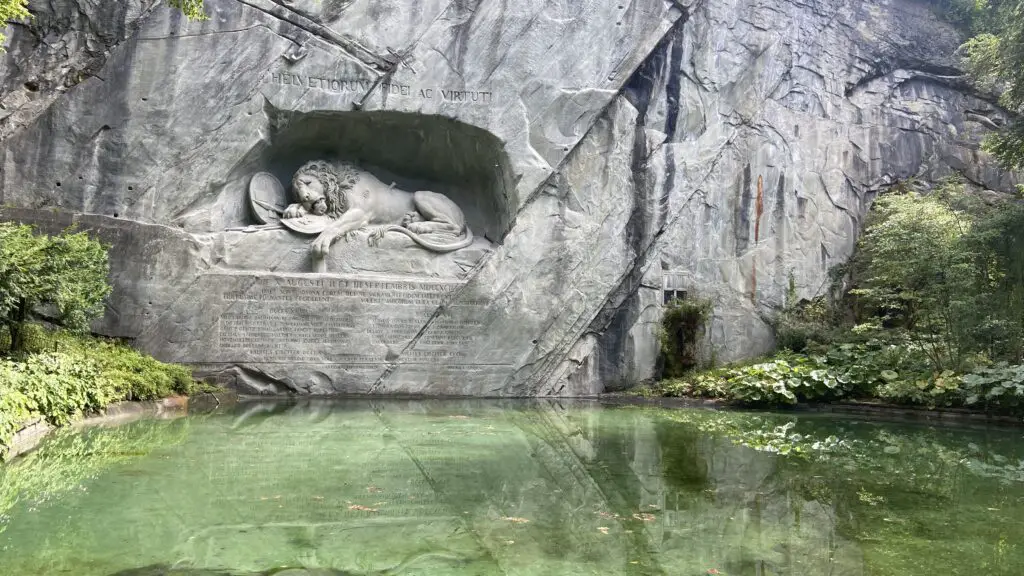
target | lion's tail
x=433, y=246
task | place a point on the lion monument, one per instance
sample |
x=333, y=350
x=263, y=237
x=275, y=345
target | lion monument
x=334, y=200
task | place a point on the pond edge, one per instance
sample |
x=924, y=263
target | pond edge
x=34, y=431
x=870, y=409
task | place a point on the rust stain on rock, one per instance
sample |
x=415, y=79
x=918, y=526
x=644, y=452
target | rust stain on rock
x=759, y=208
x=758, y=211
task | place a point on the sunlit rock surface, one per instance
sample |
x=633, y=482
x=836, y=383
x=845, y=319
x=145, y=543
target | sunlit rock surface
x=602, y=153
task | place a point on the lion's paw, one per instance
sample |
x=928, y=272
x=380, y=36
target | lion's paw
x=419, y=227
x=411, y=217
x=294, y=211
x=376, y=235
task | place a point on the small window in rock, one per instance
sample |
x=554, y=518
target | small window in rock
x=671, y=295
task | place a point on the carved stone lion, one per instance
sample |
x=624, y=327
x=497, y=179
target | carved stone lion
x=335, y=200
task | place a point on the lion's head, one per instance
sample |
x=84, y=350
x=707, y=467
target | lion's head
x=322, y=188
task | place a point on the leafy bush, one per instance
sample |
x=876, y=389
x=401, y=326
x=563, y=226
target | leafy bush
x=994, y=59
x=128, y=373
x=803, y=323
x=67, y=272
x=939, y=294
x=682, y=328
x=15, y=407
x=70, y=375
x=947, y=271
x=999, y=387
x=784, y=379
x=892, y=371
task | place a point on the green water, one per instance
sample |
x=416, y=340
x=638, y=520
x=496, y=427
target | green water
x=539, y=488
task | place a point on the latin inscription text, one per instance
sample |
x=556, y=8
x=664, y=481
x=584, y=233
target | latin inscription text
x=359, y=86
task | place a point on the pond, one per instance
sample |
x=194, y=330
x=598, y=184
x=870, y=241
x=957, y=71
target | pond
x=350, y=487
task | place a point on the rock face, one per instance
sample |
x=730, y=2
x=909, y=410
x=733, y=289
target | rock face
x=602, y=154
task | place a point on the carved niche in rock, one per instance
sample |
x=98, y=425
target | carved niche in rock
x=335, y=200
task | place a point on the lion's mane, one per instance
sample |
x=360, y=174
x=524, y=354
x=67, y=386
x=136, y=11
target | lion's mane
x=336, y=183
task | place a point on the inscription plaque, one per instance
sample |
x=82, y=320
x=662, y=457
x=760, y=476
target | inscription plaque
x=339, y=320
x=360, y=86
x=322, y=334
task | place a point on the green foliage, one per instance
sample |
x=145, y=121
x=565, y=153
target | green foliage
x=803, y=323
x=192, y=9
x=939, y=296
x=982, y=60
x=946, y=270
x=910, y=265
x=1007, y=146
x=15, y=407
x=782, y=380
x=999, y=387
x=67, y=375
x=962, y=13
x=682, y=328
x=895, y=369
x=994, y=58
x=12, y=11
x=17, y=10
x=785, y=380
x=67, y=272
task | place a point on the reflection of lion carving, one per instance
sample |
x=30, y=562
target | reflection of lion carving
x=354, y=199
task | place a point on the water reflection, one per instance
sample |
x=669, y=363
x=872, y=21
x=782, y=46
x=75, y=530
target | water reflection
x=70, y=458
x=482, y=487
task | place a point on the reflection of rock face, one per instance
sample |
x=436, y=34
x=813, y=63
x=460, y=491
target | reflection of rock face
x=440, y=487
x=717, y=148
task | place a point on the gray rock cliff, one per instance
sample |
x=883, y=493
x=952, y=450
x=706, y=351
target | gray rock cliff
x=600, y=152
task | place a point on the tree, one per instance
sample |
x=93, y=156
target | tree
x=67, y=273
x=916, y=274
x=192, y=9
x=15, y=10
x=947, y=269
x=995, y=59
